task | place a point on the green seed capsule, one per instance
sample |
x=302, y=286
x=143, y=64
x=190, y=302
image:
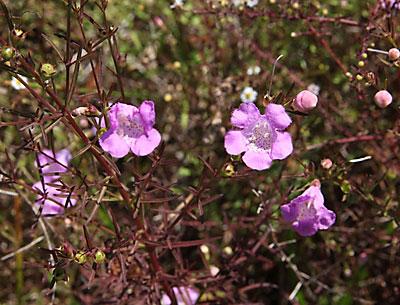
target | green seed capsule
x=80, y=257
x=48, y=70
x=7, y=53
x=99, y=257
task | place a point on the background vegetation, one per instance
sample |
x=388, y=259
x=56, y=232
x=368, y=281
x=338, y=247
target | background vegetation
x=192, y=208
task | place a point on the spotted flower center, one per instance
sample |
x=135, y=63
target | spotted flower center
x=261, y=136
x=130, y=127
x=306, y=211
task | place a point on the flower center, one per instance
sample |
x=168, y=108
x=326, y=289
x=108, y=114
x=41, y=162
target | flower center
x=261, y=135
x=130, y=127
x=307, y=210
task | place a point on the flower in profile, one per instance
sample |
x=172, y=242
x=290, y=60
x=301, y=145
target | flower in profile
x=261, y=137
x=389, y=4
x=16, y=84
x=307, y=212
x=52, y=163
x=184, y=296
x=248, y=95
x=131, y=128
x=53, y=197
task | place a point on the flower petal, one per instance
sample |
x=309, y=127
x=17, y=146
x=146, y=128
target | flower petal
x=314, y=192
x=290, y=211
x=145, y=144
x=114, y=144
x=235, y=142
x=258, y=160
x=278, y=116
x=306, y=227
x=282, y=146
x=326, y=218
x=120, y=109
x=148, y=113
x=64, y=156
x=245, y=115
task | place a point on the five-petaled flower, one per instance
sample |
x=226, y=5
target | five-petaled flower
x=184, y=296
x=131, y=128
x=307, y=212
x=248, y=95
x=260, y=137
x=53, y=196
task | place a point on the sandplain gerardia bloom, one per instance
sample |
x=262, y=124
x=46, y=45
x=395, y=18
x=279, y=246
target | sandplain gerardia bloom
x=248, y=95
x=51, y=164
x=307, y=212
x=131, y=128
x=388, y=4
x=54, y=197
x=184, y=296
x=259, y=136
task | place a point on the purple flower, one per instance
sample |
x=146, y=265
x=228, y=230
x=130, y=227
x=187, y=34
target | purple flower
x=184, y=296
x=307, y=212
x=52, y=164
x=260, y=137
x=54, y=197
x=388, y=4
x=131, y=128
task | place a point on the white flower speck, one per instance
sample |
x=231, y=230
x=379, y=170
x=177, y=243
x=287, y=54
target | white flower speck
x=177, y=3
x=251, y=3
x=254, y=70
x=237, y=2
x=16, y=84
x=248, y=95
x=314, y=88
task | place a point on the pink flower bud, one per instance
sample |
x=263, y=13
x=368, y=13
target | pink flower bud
x=394, y=54
x=383, y=98
x=305, y=101
x=326, y=163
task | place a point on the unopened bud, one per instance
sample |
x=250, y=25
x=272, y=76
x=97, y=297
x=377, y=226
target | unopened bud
x=383, y=98
x=48, y=70
x=394, y=54
x=326, y=163
x=99, y=257
x=305, y=101
x=7, y=53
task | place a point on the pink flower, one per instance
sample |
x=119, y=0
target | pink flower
x=305, y=101
x=389, y=4
x=260, y=137
x=131, y=128
x=52, y=164
x=394, y=54
x=54, y=197
x=383, y=98
x=184, y=296
x=307, y=212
